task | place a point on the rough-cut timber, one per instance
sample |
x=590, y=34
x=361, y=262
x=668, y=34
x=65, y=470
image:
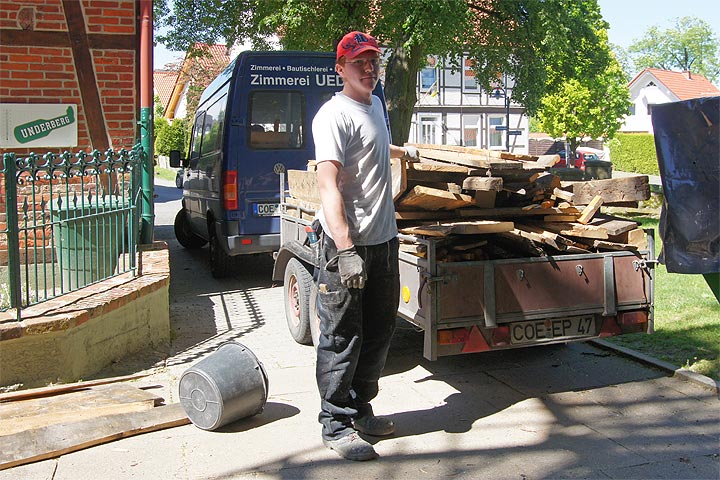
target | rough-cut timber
x=427, y=198
x=612, y=190
x=459, y=228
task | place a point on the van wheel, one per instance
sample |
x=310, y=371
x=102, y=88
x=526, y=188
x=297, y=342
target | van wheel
x=220, y=262
x=298, y=289
x=184, y=235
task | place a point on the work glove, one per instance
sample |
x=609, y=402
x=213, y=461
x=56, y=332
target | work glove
x=351, y=267
x=411, y=154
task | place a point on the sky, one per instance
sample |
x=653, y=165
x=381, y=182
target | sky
x=628, y=19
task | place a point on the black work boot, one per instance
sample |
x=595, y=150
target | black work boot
x=352, y=447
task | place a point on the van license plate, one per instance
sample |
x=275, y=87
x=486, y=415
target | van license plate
x=266, y=209
x=558, y=328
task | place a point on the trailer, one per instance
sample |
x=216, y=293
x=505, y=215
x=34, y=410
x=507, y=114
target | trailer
x=467, y=306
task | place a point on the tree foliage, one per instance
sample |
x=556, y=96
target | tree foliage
x=171, y=137
x=591, y=106
x=690, y=45
x=538, y=43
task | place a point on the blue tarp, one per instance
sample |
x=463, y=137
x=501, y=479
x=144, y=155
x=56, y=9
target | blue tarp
x=687, y=140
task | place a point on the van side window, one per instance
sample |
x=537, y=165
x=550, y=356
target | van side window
x=213, y=127
x=276, y=120
x=196, y=139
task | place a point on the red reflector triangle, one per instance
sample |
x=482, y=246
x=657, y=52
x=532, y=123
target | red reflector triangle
x=475, y=342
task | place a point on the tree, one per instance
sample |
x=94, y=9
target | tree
x=537, y=43
x=586, y=107
x=691, y=45
x=172, y=137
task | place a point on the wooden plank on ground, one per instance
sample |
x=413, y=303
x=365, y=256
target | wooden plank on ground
x=55, y=440
x=93, y=402
x=612, y=190
x=590, y=211
x=65, y=387
x=426, y=198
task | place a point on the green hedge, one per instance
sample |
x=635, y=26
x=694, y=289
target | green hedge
x=171, y=137
x=634, y=152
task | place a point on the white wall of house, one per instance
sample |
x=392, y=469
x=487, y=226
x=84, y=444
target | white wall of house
x=452, y=110
x=645, y=92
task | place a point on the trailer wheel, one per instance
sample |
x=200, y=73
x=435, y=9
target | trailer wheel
x=220, y=262
x=184, y=234
x=298, y=290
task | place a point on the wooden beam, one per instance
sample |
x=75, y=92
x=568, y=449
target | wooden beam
x=85, y=70
x=589, y=211
x=68, y=387
x=485, y=184
x=612, y=190
x=459, y=228
x=56, y=440
x=427, y=198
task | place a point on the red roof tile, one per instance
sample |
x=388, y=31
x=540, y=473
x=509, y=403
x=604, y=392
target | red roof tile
x=164, y=82
x=684, y=85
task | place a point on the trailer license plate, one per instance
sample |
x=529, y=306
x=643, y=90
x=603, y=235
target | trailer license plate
x=540, y=330
x=266, y=209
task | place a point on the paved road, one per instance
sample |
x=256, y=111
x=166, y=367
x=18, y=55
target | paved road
x=553, y=412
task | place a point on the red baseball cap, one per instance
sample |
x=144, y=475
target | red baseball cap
x=354, y=43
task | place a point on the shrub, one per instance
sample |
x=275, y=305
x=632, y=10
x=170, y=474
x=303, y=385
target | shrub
x=634, y=152
x=171, y=137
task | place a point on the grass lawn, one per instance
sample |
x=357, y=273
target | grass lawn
x=687, y=320
x=165, y=173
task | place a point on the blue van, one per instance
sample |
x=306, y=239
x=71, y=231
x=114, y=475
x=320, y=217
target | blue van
x=253, y=122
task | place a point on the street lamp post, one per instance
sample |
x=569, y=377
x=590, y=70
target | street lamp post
x=502, y=92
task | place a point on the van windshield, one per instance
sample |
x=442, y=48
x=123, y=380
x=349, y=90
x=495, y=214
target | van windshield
x=276, y=120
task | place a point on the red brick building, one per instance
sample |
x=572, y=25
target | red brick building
x=78, y=52
x=79, y=56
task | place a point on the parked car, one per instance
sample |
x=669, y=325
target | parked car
x=582, y=155
x=179, y=177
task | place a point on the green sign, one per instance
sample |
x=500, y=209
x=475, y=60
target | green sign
x=27, y=132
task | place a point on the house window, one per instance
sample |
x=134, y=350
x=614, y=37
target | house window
x=631, y=110
x=471, y=130
x=469, y=81
x=495, y=137
x=429, y=75
x=649, y=109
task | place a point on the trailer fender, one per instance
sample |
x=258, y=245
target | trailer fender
x=292, y=249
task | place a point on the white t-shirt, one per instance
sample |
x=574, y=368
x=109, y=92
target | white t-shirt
x=356, y=135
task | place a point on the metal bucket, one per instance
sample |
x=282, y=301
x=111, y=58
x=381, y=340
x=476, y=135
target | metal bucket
x=228, y=385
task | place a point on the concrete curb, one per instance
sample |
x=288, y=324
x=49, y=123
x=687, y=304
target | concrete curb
x=682, y=373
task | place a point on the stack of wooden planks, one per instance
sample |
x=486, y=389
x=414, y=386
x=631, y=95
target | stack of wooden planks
x=488, y=204
x=43, y=423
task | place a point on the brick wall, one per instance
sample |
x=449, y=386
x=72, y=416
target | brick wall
x=80, y=52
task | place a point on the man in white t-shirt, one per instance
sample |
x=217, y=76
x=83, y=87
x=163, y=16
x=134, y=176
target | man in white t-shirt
x=358, y=280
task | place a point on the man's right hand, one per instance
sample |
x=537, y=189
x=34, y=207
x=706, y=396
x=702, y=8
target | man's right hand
x=351, y=267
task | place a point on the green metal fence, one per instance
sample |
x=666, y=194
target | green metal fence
x=70, y=221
